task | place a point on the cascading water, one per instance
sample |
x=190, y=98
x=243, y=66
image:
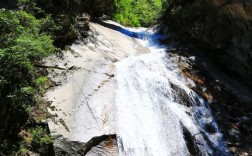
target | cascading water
x=156, y=111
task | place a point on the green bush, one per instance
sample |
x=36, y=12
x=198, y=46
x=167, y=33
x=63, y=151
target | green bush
x=27, y=35
x=40, y=140
x=137, y=13
x=36, y=139
x=25, y=40
x=134, y=21
x=41, y=80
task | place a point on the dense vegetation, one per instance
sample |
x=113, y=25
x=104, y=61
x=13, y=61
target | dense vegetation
x=137, y=12
x=28, y=33
x=25, y=40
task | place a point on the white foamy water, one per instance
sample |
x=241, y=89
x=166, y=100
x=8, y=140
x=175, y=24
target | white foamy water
x=154, y=106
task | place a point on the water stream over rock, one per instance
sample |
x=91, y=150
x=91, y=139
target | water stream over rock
x=155, y=109
x=126, y=89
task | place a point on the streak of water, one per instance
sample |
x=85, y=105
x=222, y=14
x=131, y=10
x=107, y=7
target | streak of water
x=155, y=108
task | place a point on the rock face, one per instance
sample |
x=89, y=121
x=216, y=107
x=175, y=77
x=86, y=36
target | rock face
x=223, y=26
x=108, y=147
x=82, y=102
x=230, y=100
x=102, y=145
x=220, y=29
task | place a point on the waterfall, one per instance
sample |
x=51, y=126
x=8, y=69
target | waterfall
x=157, y=114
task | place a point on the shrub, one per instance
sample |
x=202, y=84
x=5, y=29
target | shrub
x=36, y=139
x=137, y=13
x=40, y=140
x=23, y=44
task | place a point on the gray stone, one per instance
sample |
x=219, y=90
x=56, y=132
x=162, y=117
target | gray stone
x=84, y=100
x=101, y=145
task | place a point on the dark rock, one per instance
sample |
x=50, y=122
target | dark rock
x=8, y=4
x=3, y=110
x=222, y=29
x=190, y=142
x=108, y=147
x=231, y=104
x=63, y=146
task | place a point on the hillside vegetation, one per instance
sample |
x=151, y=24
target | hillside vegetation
x=137, y=12
x=25, y=40
x=29, y=32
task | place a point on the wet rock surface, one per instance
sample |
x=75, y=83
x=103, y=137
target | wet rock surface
x=229, y=99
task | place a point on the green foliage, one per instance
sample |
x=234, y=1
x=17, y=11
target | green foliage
x=48, y=25
x=36, y=139
x=23, y=45
x=40, y=140
x=30, y=6
x=22, y=151
x=25, y=40
x=41, y=80
x=137, y=12
x=40, y=136
x=27, y=35
x=27, y=90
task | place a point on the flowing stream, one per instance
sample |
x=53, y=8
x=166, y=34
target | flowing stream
x=157, y=114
